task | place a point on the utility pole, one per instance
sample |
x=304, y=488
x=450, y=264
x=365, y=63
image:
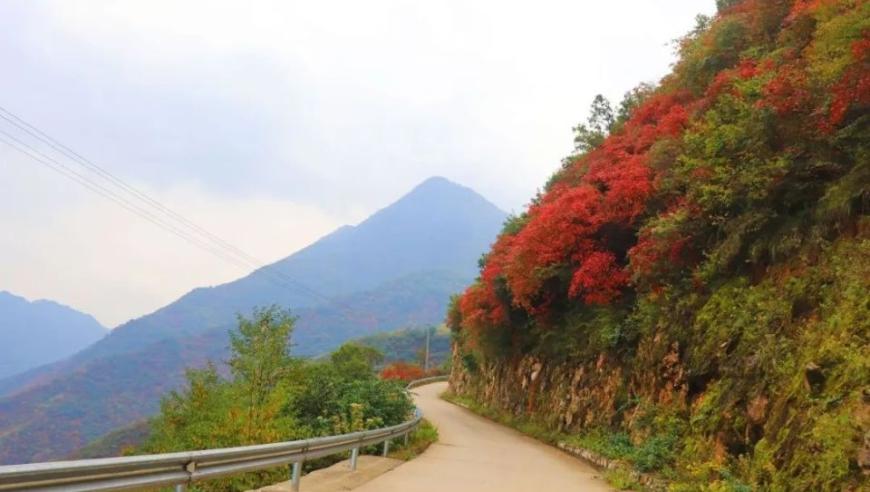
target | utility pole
x=426, y=359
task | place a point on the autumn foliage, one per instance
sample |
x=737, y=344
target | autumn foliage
x=699, y=261
x=402, y=371
x=629, y=208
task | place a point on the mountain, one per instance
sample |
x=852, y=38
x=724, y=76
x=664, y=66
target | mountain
x=397, y=268
x=116, y=442
x=414, y=300
x=439, y=225
x=38, y=332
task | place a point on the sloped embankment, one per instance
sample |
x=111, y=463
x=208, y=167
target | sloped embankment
x=689, y=293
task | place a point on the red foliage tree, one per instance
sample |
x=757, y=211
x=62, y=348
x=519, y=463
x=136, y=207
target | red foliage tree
x=579, y=225
x=853, y=88
x=598, y=278
x=787, y=92
x=802, y=7
x=402, y=371
x=605, y=190
x=723, y=82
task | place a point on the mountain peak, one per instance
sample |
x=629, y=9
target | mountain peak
x=439, y=195
x=439, y=183
x=436, y=181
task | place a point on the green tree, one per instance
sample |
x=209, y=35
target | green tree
x=195, y=417
x=354, y=361
x=260, y=365
x=371, y=403
x=274, y=397
x=591, y=134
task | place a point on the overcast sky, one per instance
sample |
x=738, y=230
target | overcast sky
x=272, y=123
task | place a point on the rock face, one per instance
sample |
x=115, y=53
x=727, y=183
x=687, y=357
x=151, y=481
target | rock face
x=569, y=396
x=806, y=427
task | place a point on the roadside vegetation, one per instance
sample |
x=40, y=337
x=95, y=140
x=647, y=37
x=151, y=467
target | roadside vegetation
x=267, y=395
x=689, y=291
x=423, y=436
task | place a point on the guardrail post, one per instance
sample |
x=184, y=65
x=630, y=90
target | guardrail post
x=406, y=438
x=296, y=476
x=190, y=467
x=386, y=447
x=354, y=453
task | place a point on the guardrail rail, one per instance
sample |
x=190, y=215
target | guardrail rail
x=184, y=468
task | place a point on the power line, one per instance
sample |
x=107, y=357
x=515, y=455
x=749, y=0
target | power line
x=54, y=165
x=48, y=140
x=143, y=197
x=154, y=211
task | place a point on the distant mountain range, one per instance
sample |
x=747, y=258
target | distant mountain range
x=397, y=268
x=33, y=333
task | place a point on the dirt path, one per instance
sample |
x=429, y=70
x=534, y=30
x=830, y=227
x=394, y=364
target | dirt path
x=475, y=454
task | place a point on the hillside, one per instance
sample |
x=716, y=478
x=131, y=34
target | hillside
x=689, y=293
x=395, y=269
x=116, y=443
x=408, y=344
x=411, y=301
x=33, y=333
x=400, y=345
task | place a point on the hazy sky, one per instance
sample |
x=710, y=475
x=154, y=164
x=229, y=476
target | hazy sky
x=272, y=123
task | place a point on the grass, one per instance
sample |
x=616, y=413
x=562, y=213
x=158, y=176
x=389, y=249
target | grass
x=656, y=453
x=621, y=479
x=418, y=441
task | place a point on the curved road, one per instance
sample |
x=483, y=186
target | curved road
x=476, y=454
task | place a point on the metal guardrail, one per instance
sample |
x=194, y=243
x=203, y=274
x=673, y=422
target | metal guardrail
x=420, y=382
x=184, y=468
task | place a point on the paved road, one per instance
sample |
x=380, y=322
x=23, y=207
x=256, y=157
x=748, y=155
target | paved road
x=478, y=455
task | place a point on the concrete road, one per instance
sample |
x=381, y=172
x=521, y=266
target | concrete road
x=478, y=455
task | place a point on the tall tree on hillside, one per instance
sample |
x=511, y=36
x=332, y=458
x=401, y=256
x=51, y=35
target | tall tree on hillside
x=260, y=365
x=591, y=134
